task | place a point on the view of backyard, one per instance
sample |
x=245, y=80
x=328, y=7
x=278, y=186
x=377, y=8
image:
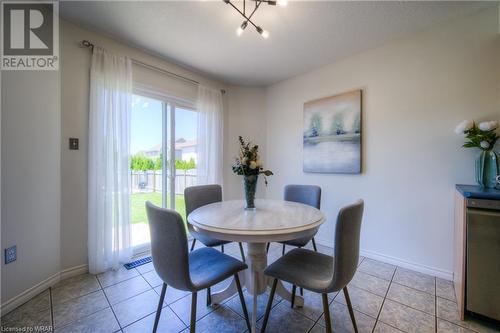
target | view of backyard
x=154, y=156
x=139, y=219
x=138, y=209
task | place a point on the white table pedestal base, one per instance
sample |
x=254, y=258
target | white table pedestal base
x=254, y=280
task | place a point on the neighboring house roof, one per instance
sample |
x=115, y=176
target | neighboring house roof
x=179, y=145
x=185, y=144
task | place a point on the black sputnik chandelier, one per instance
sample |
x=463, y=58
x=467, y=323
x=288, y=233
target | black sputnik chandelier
x=250, y=11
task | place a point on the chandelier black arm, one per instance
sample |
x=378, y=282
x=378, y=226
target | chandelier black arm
x=247, y=18
x=257, y=4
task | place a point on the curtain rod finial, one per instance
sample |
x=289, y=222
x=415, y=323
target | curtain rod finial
x=86, y=43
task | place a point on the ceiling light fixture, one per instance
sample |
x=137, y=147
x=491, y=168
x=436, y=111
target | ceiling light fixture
x=248, y=19
x=241, y=28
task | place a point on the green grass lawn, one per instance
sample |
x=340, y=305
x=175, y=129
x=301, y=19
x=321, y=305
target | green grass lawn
x=138, y=213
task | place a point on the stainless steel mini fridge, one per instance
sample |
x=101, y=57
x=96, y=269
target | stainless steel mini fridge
x=483, y=257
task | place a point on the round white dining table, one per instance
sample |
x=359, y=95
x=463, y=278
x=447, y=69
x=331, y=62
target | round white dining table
x=270, y=221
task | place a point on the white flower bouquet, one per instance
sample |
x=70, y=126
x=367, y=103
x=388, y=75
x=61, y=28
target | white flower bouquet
x=249, y=166
x=248, y=162
x=482, y=135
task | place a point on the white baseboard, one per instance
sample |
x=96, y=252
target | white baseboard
x=28, y=294
x=437, y=272
x=440, y=273
x=74, y=271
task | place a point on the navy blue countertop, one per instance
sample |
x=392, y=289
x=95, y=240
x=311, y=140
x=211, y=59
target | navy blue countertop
x=478, y=192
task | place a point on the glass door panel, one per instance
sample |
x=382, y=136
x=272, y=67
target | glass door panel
x=185, y=154
x=163, y=160
x=146, y=165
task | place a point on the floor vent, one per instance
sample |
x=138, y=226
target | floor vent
x=138, y=262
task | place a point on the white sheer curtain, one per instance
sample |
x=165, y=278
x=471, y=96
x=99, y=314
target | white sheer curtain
x=209, y=148
x=109, y=175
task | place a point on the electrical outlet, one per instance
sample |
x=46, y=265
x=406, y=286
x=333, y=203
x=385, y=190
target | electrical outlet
x=10, y=254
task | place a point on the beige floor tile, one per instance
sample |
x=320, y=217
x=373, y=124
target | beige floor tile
x=370, y=283
x=221, y=320
x=37, y=304
x=74, y=287
x=377, y=268
x=136, y=308
x=284, y=320
x=413, y=298
x=112, y=277
x=126, y=289
x=77, y=308
x=362, y=301
x=341, y=320
x=445, y=289
x=169, y=323
x=30, y=321
x=182, y=307
x=384, y=328
x=448, y=311
x=100, y=322
x=415, y=280
x=406, y=318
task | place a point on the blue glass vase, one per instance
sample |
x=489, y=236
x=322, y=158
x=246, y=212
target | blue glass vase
x=486, y=168
x=250, y=186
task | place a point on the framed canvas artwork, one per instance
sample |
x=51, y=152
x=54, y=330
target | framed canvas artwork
x=332, y=134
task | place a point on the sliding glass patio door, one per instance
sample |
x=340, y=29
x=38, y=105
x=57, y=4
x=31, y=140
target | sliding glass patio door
x=163, y=161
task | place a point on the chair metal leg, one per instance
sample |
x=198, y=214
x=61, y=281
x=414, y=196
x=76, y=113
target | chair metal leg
x=160, y=306
x=209, y=297
x=283, y=251
x=294, y=289
x=351, y=312
x=192, y=244
x=314, y=245
x=267, y=247
x=328, y=323
x=301, y=291
x=222, y=248
x=242, y=252
x=192, y=325
x=269, y=306
x=242, y=300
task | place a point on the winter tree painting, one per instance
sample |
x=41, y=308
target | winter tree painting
x=332, y=134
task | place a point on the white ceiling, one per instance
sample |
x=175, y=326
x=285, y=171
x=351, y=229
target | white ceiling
x=303, y=36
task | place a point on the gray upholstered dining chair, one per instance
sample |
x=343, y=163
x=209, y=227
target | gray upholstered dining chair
x=198, y=196
x=183, y=270
x=308, y=195
x=319, y=272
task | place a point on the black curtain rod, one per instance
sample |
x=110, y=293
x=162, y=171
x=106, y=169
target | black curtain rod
x=89, y=45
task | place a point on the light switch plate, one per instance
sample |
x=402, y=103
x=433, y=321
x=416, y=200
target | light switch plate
x=10, y=254
x=74, y=144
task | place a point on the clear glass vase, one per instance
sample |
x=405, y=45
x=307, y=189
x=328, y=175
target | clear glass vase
x=486, y=168
x=250, y=186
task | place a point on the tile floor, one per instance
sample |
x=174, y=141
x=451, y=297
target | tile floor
x=386, y=298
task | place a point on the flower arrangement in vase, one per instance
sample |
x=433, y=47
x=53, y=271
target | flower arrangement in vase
x=484, y=137
x=250, y=167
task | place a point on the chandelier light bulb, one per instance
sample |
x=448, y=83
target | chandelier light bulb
x=241, y=28
x=262, y=32
x=282, y=3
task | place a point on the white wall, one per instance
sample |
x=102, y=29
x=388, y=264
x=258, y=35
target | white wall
x=245, y=117
x=30, y=178
x=414, y=93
